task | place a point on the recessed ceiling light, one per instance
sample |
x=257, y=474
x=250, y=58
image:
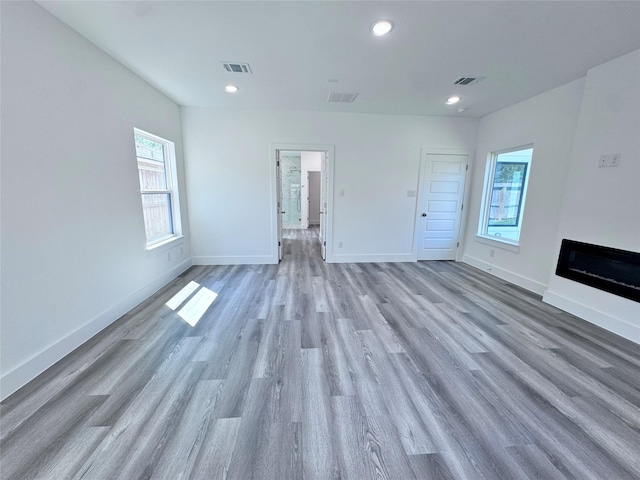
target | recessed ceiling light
x=462, y=109
x=231, y=89
x=453, y=100
x=381, y=27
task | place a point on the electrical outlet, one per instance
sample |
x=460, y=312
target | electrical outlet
x=181, y=250
x=339, y=244
x=615, y=159
x=168, y=256
x=610, y=160
x=492, y=253
x=411, y=193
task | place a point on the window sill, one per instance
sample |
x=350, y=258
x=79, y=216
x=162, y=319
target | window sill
x=499, y=243
x=164, y=245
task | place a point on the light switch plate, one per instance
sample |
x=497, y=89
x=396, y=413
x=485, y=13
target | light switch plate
x=610, y=160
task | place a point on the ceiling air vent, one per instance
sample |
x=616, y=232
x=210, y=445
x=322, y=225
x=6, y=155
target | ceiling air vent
x=342, y=97
x=236, y=67
x=468, y=80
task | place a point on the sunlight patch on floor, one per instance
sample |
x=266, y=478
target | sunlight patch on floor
x=196, y=307
x=193, y=311
x=182, y=295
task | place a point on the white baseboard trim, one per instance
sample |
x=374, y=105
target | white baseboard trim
x=604, y=320
x=296, y=226
x=511, y=277
x=235, y=260
x=371, y=258
x=38, y=363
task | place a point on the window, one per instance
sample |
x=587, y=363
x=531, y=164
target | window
x=157, y=174
x=505, y=190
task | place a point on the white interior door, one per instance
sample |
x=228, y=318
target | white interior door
x=442, y=183
x=279, y=207
x=323, y=206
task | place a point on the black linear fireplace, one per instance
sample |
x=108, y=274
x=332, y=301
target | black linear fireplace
x=609, y=269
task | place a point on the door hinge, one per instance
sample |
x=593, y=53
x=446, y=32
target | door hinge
x=324, y=244
x=277, y=163
x=466, y=167
x=279, y=244
x=457, y=244
x=461, y=207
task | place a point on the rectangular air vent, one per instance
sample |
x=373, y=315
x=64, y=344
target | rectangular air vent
x=342, y=97
x=236, y=67
x=468, y=80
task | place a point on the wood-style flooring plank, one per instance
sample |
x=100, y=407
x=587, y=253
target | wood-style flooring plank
x=431, y=466
x=319, y=458
x=411, y=430
x=183, y=446
x=214, y=456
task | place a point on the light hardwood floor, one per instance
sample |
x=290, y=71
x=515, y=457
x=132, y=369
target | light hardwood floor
x=307, y=370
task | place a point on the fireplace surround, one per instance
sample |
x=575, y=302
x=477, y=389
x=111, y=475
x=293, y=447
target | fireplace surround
x=609, y=269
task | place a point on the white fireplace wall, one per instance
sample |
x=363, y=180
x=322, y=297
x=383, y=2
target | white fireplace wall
x=602, y=205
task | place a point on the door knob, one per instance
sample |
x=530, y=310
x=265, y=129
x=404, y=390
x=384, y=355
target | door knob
x=424, y=214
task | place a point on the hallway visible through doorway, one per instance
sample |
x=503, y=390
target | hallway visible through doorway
x=301, y=194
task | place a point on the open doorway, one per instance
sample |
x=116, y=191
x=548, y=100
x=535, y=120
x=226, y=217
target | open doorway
x=302, y=198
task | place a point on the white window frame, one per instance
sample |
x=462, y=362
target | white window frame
x=483, y=225
x=171, y=176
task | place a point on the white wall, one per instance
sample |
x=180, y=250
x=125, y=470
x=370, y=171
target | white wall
x=602, y=205
x=376, y=161
x=73, y=241
x=311, y=161
x=549, y=122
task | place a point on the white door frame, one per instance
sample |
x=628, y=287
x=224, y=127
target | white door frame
x=304, y=199
x=424, y=151
x=327, y=216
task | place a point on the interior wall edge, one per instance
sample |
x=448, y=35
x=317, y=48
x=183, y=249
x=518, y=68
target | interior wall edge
x=19, y=376
x=619, y=327
x=371, y=258
x=235, y=260
x=511, y=277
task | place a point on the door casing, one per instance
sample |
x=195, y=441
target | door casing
x=326, y=217
x=422, y=195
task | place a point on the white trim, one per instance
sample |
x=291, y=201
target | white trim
x=296, y=226
x=304, y=197
x=496, y=242
x=329, y=150
x=371, y=258
x=588, y=314
x=166, y=244
x=41, y=361
x=487, y=189
x=236, y=260
x=171, y=175
x=511, y=277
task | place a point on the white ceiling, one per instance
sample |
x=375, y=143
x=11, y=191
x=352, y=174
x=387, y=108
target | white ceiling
x=522, y=48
